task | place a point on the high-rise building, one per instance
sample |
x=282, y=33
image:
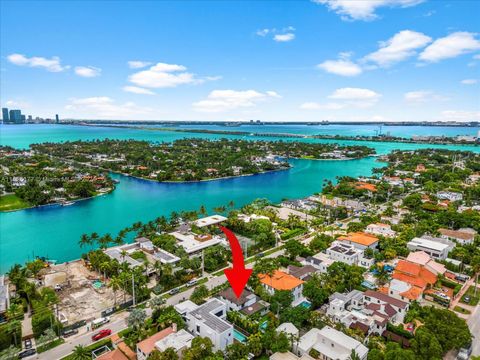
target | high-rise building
x=57, y=120
x=5, y=116
x=16, y=117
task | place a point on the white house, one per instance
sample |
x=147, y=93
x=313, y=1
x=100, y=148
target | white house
x=437, y=248
x=178, y=341
x=348, y=254
x=450, y=196
x=246, y=299
x=380, y=229
x=283, y=281
x=208, y=320
x=462, y=236
x=330, y=344
x=320, y=261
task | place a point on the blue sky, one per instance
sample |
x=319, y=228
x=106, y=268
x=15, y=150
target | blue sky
x=401, y=60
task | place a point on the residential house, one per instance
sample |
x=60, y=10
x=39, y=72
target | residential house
x=423, y=259
x=283, y=281
x=178, y=341
x=360, y=240
x=463, y=236
x=210, y=220
x=320, y=261
x=380, y=229
x=289, y=329
x=208, y=320
x=4, y=296
x=330, y=344
x=349, y=254
x=394, y=308
x=234, y=303
x=145, y=347
x=437, y=248
x=449, y=195
x=302, y=272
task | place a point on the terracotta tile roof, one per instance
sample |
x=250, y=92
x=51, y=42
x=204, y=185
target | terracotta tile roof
x=414, y=274
x=113, y=355
x=412, y=294
x=361, y=185
x=408, y=268
x=280, y=280
x=360, y=326
x=148, y=344
x=360, y=238
x=125, y=349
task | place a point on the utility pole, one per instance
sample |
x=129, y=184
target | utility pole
x=133, y=288
x=203, y=262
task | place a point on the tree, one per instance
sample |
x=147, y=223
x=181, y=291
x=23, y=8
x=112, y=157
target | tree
x=168, y=354
x=136, y=318
x=200, y=349
x=236, y=351
x=297, y=315
x=254, y=344
x=80, y=352
x=281, y=300
x=295, y=248
x=199, y=294
x=314, y=291
x=115, y=284
x=354, y=355
x=281, y=344
x=425, y=345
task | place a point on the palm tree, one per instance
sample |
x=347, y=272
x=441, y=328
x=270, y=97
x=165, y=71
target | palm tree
x=124, y=255
x=81, y=353
x=115, y=284
x=13, y=311
x=84, y=240
x=203, y=210
x=105, y=267
x=231, y=204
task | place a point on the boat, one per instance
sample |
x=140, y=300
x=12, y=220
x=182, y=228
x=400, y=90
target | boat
x=68, y=203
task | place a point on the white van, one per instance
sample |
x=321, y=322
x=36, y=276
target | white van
x=100, y=321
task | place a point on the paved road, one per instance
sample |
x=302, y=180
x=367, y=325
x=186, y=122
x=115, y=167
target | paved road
x=474, y=325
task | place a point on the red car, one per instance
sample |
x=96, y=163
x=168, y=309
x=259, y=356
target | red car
x=101, y=334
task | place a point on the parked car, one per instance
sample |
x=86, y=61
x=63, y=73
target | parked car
x=28, y=344
x=101, y=334
x=465, y=352
x=260, y=255
x=467, y=299
x=68, y=333
x=174, y=291
x=191, y=283
x=99, y=322
x=27, y=353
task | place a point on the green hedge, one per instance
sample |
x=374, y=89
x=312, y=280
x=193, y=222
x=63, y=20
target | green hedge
x=50, y=345
x=399, y=330
x=92, y=347
x=292, y=233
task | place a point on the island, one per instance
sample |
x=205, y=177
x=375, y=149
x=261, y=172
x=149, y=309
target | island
x=194, y=159
x=29, y=179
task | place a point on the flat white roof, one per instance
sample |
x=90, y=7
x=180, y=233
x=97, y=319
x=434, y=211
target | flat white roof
x=188, y=242
x=210, y=220
x=428, y=244
x=177, y=340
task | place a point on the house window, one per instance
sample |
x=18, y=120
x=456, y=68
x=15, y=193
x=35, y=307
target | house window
x=219, y=314
x=198, y=329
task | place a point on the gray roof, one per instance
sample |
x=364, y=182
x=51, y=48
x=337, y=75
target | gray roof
x=3, y=295
x=116, y=254
x=205, y=313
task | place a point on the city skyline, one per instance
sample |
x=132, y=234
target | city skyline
x=395, y=60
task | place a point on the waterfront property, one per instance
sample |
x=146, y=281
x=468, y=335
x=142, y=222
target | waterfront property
x=280, y=280
x=437, y=248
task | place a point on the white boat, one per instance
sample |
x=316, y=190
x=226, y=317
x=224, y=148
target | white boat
x=68, y=203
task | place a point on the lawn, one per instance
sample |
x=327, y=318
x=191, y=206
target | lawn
x=12, y=202
x=473, y=299
x=462, y=310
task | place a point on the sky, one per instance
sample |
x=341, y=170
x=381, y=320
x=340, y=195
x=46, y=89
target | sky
x=337, y=60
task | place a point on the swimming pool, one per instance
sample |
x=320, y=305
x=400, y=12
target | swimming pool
x=306, y=304
x=239, y=336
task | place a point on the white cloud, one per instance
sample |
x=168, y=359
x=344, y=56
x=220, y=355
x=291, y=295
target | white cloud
x=363, y=9
x=343, y=67
x=460, y=115
x=263, y=32
x=163, y=75
x=284, y=37
x=450, y=46
x=280, y=35
x=137, y=64
x=17, y=104
x=226, y=100
x=476, y=57
x=105, y=107
x=422, y=96
x=469, y=81
x=399, y=47
x=87, y=71
x=358, y=97
x=52, y=65
x=317, y=106
x=138, y=90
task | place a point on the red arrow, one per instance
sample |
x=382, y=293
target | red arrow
x=237, y=275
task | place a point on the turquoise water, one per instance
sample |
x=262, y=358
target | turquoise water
x=306, y=304
x=54, y=231
x=239, y=336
